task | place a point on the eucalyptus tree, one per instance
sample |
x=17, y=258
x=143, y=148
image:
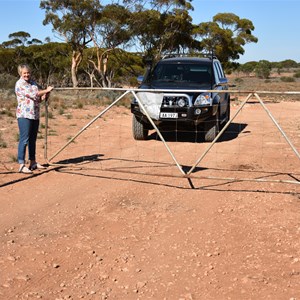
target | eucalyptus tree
x=8, y=63
x=225, y=36
x=162, y=26
x=49, y=62
x=20, y=39
x=110, y=34
x=73, y=20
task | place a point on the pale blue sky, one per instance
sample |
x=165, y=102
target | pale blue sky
x=276, y=22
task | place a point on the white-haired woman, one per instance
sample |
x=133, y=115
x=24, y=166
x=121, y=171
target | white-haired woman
x=29, y=97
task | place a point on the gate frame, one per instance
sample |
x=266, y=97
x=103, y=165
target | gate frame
x=187, y=174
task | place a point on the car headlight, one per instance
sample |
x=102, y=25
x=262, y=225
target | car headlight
x=181, y=102
x=203, y=99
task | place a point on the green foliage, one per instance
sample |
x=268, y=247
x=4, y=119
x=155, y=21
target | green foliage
x=225, y=36
x=7, y=81
x=288, y=63
x=287, y=79
x=248, y=67
x=238, y=80
x=47, y=60
x=160, y=33
x=263, y=69
x=297, y=74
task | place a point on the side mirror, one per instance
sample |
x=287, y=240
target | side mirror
x=140, y=79
x=223, y=81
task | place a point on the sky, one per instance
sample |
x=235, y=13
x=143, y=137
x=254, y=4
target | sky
x=276, y=23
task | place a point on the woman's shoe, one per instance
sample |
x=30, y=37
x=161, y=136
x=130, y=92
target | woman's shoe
x=24, y=169
x=37, y=166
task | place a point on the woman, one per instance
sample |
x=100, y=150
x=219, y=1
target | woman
x=28, y=113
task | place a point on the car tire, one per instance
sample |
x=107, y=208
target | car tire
x=139, y=131
x=211, y=128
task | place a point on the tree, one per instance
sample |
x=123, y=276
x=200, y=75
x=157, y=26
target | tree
x=8, y=61
x=73, y=20
x=288, y=63
x=248, y=67
x=20, y=39
x=166, y=27
x=225, y=36
x=110, y=32
x=263, y=69
x=47, y=60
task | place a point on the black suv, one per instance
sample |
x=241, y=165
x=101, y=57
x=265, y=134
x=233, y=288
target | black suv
x=190, y=110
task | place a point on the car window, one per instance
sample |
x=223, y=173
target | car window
x=220, y=70
x=195, y=73
x=217, y=72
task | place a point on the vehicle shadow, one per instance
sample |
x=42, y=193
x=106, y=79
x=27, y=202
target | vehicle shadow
x=197, y=136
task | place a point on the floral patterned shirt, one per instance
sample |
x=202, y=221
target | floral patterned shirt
x=28, y=99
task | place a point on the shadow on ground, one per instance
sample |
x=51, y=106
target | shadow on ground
x=190, y=136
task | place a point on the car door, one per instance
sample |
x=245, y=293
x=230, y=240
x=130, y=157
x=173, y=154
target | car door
x=221, y=85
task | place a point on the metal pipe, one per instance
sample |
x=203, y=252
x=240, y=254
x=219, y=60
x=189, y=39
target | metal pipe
x=88, y=125
x=157, y=131
x=277, y=125
x=183, y=91
x=217, y=137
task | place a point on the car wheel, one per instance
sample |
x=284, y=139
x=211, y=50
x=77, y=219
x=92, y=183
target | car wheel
x=212, y=128
x=139, y=131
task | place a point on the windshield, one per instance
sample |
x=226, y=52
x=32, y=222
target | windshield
x=182, y=73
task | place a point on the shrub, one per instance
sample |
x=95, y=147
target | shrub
x=238, y=80
x=7, y=81
x=287, y=79
x=263, y=69
x=79, y=105
x=13, y=157
x=297, y=74
x=2, y=142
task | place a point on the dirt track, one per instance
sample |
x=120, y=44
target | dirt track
x=111, y=228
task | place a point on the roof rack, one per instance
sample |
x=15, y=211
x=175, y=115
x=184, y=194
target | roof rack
x=208, y=55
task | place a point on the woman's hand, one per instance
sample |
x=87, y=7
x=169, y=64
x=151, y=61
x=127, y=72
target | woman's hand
x=45, y=92
x=49, y=88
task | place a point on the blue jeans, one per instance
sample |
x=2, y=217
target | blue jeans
x=28, y=133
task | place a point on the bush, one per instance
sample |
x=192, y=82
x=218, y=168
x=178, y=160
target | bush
x=7, y=81
x=263, y=69
x=238, y=80
x=297, y=74
x=287, y=79
x=2, y=142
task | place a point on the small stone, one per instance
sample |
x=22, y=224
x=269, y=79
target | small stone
x=11, y=258
x=23, y=277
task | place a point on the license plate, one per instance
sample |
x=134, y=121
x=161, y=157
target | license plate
x=169, y=115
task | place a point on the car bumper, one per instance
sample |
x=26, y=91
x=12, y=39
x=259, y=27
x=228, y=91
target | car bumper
x=193, y=115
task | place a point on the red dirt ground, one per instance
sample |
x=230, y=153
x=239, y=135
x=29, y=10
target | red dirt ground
x=122, y=222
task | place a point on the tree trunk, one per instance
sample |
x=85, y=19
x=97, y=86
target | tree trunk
x=76, y=59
